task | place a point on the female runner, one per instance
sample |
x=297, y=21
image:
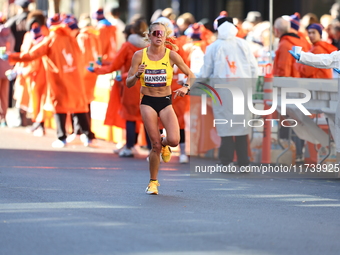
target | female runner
x=154, y=67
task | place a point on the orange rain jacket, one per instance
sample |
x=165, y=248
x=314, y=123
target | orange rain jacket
x=38, y=86
x=182, y=104
x=242, y=33
x=88, y=41
x=30, y=85
x=123, y=100
x=107, y=39
x=207, y=36
x=23, y=79
x=320, y=47
x=63, y=71
x=284, y=62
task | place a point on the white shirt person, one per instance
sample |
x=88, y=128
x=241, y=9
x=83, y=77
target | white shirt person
x=324, y=61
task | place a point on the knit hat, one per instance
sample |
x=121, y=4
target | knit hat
x=194, y=31
x=316, y=26
x=222, y=20
x=36, y=31
x=295, y=21
x=71, y=23
x=55, y=20
x=223, y=14
x=99, y=14
x=22, y=3
x=64, y=16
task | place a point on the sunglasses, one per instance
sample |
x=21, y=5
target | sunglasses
x=158, y=33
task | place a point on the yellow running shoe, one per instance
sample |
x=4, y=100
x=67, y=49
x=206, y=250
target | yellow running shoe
x=152, y=189
x=166, y=153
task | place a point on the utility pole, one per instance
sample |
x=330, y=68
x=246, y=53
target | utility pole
x=42, y=5
x=53, y=7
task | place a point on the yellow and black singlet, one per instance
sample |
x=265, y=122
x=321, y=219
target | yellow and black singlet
x=157, y=73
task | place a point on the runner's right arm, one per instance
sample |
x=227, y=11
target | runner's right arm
x=136, y=69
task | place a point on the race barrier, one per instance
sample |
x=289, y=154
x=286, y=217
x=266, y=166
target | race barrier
x=323, y=101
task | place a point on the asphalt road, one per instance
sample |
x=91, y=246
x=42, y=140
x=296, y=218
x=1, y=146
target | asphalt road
x=89, y=201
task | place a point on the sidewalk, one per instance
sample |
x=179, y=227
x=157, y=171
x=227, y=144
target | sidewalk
x=18, y=138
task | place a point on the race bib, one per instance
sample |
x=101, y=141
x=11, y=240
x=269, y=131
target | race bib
x=155, y=78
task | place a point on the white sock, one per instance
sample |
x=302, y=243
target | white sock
x=182, y=148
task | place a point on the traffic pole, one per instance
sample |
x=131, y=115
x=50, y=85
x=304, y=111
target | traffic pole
x=267, y=128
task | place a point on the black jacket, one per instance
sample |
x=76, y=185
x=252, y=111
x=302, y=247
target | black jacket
x=18, y=28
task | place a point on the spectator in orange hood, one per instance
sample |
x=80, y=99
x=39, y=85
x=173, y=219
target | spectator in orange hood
x=31, y=88
x=64, y=76
x=284, y=62
x=36, y=83
x=127, y=98
x=89, y=45
x=284, y=65
x=319, y=47
x=107, y=36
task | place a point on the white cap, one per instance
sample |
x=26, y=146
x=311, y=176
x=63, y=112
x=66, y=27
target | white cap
x=167, y=22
